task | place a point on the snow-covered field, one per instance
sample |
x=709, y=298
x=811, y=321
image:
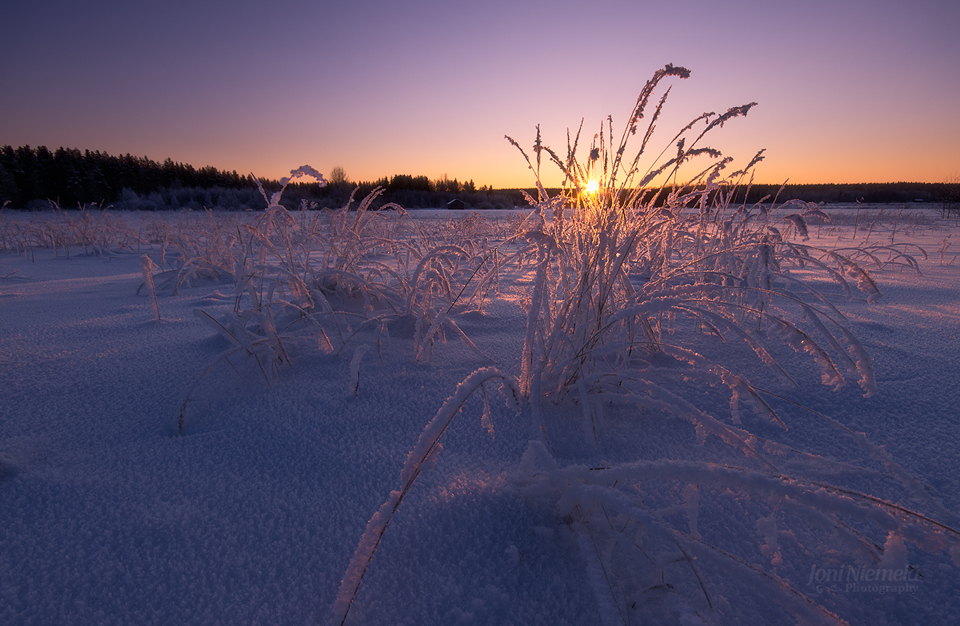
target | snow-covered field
x=109, y=516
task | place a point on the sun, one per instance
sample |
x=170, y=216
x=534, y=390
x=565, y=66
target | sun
x=592, y=187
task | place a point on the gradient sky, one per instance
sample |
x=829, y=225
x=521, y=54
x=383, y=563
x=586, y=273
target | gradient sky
x=848, y=90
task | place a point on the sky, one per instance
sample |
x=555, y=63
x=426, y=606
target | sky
x=847, y=90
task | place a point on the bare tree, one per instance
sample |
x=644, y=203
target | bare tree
x=338, y=176
x=339, y=185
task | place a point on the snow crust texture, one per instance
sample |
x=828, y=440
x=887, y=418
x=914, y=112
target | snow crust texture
x=109, y=515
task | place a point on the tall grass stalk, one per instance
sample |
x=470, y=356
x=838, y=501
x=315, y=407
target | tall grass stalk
x=420, y=458
x=147, y=267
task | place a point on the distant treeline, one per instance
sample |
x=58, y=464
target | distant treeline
x=30, y=177
x=872, y=193
x=832, y=193
x=71, y=177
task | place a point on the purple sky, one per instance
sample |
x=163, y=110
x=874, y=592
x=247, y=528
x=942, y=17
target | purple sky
x=848, y=90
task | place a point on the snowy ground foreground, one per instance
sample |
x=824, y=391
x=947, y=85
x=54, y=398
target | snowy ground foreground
x=108, y=517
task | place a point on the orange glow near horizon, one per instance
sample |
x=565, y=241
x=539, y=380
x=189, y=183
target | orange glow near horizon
x=507, y=170
x=379, y=93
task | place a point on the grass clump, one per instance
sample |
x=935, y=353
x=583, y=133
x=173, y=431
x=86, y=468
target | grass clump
x=329, y=278
x=644, y=269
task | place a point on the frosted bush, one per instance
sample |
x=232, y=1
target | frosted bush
x=634, y=287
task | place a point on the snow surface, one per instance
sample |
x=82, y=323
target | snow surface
x=107, y=516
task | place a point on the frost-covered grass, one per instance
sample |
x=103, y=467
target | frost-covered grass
x=255, y=513
x=644, y=409
x=92, y=229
